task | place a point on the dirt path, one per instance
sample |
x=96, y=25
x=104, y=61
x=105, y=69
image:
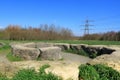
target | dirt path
x=75, y=58
x=3, y=58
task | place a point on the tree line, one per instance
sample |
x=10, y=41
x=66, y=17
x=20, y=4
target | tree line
x=109, y=36
x=44, y=32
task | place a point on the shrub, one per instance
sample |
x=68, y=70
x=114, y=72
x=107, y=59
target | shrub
x=5, y=47
x=87, y=72
x=98, y=72
x=107, y=72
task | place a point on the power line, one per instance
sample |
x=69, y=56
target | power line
x=86, y=26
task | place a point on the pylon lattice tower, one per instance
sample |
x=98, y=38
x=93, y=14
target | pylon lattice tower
x=86, y=27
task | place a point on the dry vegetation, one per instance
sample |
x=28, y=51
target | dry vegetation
x=108, y=36
x=44, y=32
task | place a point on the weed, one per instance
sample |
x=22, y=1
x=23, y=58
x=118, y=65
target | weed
x=11, y=57
x=98, y=72
x=31, y=74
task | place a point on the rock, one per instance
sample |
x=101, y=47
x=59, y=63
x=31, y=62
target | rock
x=50, y=53
x=30, y=45
x=105, y=50
x=32, y=51
x=112, y=60
x=63, y=46
x=75, y=46
x=42, y=45
x=97, y=50
x=25, y=52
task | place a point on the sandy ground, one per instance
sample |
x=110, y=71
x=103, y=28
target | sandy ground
x=66, y=68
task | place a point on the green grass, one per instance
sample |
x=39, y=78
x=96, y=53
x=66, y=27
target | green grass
x=13, y=58
x=31, y=74
x=81, y=52
x=98, y=72
x=87, y=72
x=5, y=49
x=89, y=42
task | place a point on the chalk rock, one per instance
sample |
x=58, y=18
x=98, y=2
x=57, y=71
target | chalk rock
x=25, y=52
x=50, y=53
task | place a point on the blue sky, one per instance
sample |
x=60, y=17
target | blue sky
x=66, y=13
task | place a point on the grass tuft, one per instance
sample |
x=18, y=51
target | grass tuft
x=11, y=57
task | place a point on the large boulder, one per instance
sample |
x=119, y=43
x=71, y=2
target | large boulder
x=32, y=51
x=50, y=53
x=30, y=45
x=63, y=46
x=97, y=50
x=42, y=45
x=75, y=46
x=25, y=52
x=112, y=60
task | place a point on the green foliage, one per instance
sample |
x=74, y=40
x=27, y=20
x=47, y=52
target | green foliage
x=81, y=52
x=5, y=47
x=47, y=76
x=42, y=69
x=25, y=74
x=93, y=55
x=107, y=72
x=11, y=57
x=3, y=77
x=87, y=72
x=31, y=74
x=98, y=72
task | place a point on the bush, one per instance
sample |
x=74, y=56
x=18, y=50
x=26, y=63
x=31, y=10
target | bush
x=107, y=72
x=6, y=46
x=98, y=72
x=87, y=72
